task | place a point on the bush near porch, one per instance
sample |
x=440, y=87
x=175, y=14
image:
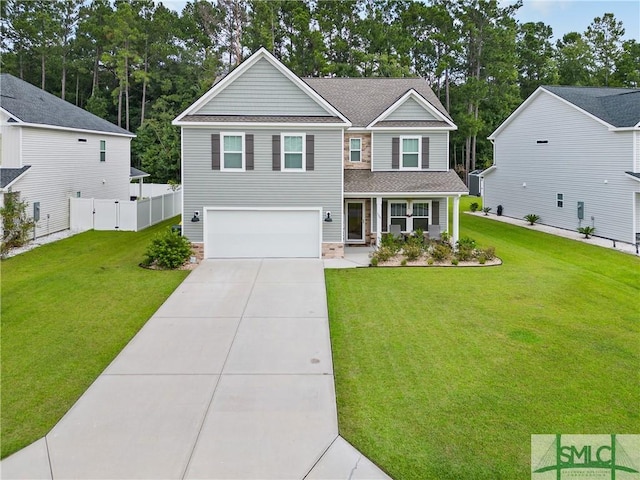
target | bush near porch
x=68, y=308
x=445, y=373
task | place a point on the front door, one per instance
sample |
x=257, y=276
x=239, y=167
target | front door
x=355, y=222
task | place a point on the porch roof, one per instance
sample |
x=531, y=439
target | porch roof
x=366, y=181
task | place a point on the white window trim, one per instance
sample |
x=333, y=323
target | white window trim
x=428, y=217
x=560, y=200
x=304, y=152
x=102, y=151
x=359, y=150
x=409, y=209
x=411, y=137
x=389, y=216
x=244, y=148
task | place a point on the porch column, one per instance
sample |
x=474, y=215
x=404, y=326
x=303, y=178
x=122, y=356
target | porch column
x=456, y=219
x=378, y=221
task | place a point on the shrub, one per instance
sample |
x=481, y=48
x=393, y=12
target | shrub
x=486, y=210
x=374, y=261
x=403, y=262
x=430, y=261
x=482, y=259
x=532, y=218
x=465, y=249
x=489, y=253
x=454, y=261
x=445, y=237
x=586, y=231
x=474, y=207
x=384, y=253
x=17, y=225
x=388, y=240
x=412, y=250
x=441, y=251
x=167, y=250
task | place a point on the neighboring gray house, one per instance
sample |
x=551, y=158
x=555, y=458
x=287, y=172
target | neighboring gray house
x=51, y=150
x=278, y=166
x=572, y=156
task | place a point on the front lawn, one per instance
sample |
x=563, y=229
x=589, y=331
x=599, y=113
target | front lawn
x=68, y=308
x=445, y=373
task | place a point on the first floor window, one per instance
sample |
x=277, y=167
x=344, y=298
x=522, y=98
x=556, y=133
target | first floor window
x=410, y=152
x=398, y=215
x=103, y=150
x=420, y=216
x=560, y=200
x=293, y=152
x=355, y=150
x=232, y=152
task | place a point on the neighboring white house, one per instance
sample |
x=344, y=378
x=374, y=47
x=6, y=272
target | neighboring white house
x=51, y=150
x=572, y=156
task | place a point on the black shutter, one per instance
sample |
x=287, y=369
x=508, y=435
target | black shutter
x=425, y=153
x=248, y=154
x=395, y=153
x=435, y=214
x=215, y=151
x=276, y=152
x=310, y=152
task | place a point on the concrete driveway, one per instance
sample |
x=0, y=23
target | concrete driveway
x=231, y=378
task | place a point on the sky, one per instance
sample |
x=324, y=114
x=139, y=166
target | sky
x=566, y=16
x=563, y=16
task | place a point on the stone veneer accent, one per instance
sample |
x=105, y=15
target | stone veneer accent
x=198, y=251
x=365, y=156
x=333, y=250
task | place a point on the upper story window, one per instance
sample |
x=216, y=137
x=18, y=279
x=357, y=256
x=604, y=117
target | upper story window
x=560, y=200
x=410, y=152
x=103, y=150
x=293, y=153
x=355, y=150
x=233, y=151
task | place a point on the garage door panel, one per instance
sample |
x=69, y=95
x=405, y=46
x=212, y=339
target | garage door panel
x=262, y=233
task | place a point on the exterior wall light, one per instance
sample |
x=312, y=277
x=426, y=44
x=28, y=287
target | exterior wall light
x=196, y=216
x=328, y=218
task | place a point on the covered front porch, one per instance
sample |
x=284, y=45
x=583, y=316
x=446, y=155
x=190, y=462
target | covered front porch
x=399, y=202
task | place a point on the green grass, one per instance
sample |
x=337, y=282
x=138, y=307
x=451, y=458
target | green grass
x=68, y=308
x=445, y=373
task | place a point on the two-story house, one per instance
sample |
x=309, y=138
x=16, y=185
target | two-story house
x=572, y=156
x=274, y=165
x=52, y=150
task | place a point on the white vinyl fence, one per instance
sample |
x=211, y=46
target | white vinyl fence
x=125, y=215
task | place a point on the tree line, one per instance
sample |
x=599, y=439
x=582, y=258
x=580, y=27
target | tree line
x=138, y=63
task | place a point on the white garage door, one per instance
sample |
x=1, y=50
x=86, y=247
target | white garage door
x=254, y=233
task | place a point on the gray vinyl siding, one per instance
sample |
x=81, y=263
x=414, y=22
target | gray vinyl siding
x=411, y=110
x=438, y=149
x=10, y=150
x=62, y=166
x=637, y=225
x=262, y=90
x=262, y=187
x=580, y=156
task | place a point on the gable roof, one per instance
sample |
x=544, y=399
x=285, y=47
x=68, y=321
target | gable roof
x=614, y=107
x=30, y=105
x=619, y=107
x=261, y=54
x=363, y=100
x=9, y=175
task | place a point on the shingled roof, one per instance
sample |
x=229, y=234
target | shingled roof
x=366, y=181
x=619, y=107
x=9, y=175
x=30, y=104
x=362, y=100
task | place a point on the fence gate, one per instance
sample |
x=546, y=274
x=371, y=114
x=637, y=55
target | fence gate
x=105, y=214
